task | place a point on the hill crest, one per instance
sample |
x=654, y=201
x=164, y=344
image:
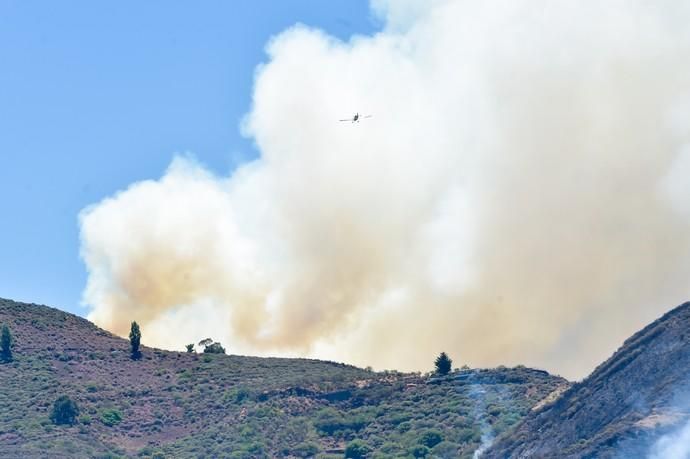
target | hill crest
x=174, y=404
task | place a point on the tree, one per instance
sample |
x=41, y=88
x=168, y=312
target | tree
x=190, y=348
x=135, y=340
x=6, y=343
x=443, y=364
x=65, y=411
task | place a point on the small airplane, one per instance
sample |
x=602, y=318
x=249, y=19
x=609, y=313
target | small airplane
x=356, y=118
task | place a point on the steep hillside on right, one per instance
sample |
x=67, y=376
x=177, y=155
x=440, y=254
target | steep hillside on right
x=636, y=404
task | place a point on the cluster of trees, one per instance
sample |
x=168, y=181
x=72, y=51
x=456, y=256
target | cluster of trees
x=210, y=346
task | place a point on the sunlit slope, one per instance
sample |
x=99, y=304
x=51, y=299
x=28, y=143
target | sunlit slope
x=176, y=404
x=623, y=408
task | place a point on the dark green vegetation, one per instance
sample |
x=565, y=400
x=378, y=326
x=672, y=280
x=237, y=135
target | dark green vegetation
x=6, y=344
x=214, y=348
x=640, y=393
x=443, y=364
x=65, y=411
x=210, y=347
x=135, y=340
x=170, y=404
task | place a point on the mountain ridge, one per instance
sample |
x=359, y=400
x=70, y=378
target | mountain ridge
x=639, y=394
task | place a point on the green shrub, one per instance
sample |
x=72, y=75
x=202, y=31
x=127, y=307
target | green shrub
x=65, y=411
x=305, y=450
x=445, y=449
x=110, y=416
x=357, y=449
x=329, y=422
x=420, y=451
x=431, y=438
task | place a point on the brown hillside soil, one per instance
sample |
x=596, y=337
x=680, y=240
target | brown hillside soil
x=175, y=404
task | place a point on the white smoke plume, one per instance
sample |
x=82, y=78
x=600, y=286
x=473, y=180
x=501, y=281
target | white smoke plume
x=675, y=445
x=520, y=194
x=477, y=393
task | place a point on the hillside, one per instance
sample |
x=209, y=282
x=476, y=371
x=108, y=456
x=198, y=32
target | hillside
x=172, y=404
x=621, y=410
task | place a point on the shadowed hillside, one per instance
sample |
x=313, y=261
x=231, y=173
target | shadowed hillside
x=171, y=404
x=638, y=395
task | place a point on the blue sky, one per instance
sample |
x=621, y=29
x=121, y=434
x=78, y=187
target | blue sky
x=97, y=95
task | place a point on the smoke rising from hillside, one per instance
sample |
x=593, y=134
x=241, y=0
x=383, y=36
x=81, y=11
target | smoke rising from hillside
x=519, y=196
x=672, y=446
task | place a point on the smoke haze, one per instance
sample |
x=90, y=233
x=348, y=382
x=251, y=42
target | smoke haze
x=520, y=195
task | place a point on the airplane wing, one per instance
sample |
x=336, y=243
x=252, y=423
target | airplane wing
x=367, y=116
x=348, y=119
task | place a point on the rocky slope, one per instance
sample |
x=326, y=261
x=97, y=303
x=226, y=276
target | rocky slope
x=636, y=404
x=175, y=404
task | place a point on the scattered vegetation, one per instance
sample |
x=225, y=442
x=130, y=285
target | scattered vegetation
x=135, y=340
x=178, y=404
x=190, y=348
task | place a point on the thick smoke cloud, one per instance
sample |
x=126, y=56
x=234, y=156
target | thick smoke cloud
x=519, y=196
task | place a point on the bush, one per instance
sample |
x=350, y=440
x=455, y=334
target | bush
x=331, y=422
x=214, y=348
x=65, y=411
x=305, y=450
x=445, y=450
x=431, y=438
x=443, y=364
x=190, y=348
x=420, y=451
x=111, y=416
x=357, y=449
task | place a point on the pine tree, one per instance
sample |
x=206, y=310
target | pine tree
x=443, y=364
x=135, y=340
x=6, y=343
